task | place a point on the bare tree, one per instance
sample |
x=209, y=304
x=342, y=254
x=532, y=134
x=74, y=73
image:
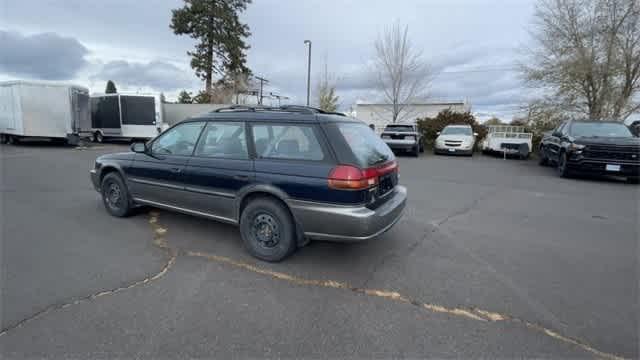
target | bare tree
x=402, y=75
x=587, y=53
x=326, y=92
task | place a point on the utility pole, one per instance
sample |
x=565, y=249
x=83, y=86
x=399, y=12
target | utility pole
x=308, y=42
x=262, y=80
x=279, y=97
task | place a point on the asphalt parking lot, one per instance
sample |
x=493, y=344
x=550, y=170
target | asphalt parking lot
x=492, y=258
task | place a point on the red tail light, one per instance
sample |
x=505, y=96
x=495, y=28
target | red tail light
x=347, y=177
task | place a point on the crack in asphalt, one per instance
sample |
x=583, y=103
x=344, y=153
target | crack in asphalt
x=394, y=254
x=470, y=313
x=521, y=293
x=158, y=240
x=464, y=210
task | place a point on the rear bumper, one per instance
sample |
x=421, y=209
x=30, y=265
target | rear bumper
x=348, y=223
x=400, y=144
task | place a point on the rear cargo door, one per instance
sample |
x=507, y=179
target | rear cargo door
x=8, y=109
x=80, y=111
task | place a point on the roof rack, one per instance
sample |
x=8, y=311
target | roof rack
x=283, y=108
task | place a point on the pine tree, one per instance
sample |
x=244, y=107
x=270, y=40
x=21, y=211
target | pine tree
x=111, y=88
x=220, y=35
x=184, y=97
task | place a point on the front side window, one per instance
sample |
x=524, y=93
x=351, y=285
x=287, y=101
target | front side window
x=298, y=142
x=223, y=140
x=180, y=140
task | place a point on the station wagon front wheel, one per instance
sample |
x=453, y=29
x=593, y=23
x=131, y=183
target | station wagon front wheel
x=267, y=230
x=115, y=195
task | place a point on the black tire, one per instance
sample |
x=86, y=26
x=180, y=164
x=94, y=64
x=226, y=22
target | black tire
x=97, y=137
x=10, y=140
x=421, y=148
x=633, y=180
x=562, y=168
x=267, y=230
x=416, y=151
x=115, y=195
x=543, y=160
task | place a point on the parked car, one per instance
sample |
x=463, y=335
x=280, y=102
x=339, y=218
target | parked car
x=404, y=137
x=283, y=175
x=455, y=139
x=597, y=147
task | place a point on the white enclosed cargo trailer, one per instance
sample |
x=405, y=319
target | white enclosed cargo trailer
x=44, y=110
x=126, y=116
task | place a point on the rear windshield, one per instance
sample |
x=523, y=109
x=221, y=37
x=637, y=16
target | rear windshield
x=399, y=128
x=367, y=147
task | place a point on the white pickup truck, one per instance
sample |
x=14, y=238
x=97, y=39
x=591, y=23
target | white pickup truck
x=507, y=140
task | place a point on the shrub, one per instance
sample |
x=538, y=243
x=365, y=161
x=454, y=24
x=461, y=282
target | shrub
x=429, y=127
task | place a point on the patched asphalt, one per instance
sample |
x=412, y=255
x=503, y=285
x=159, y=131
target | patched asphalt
x=556, y=258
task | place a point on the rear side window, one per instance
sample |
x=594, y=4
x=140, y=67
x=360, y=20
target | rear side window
x=295, y=141
x=223, y=140
x=367, y=147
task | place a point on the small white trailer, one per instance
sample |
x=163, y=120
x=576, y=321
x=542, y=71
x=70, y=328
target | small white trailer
x=507, y=140
x=133, y=116
x=38, y=109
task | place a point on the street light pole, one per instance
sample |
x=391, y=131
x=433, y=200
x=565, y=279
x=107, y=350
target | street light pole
x=308, y=42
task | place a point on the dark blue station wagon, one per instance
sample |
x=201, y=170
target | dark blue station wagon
x=284, y=175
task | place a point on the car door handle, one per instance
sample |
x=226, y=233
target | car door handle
x=241, y=177
x=176, y=169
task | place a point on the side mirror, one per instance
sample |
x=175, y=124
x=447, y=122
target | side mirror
x=139, y=147
x=475, y=134
x=438, y=133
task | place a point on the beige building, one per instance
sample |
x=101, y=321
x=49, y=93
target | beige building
x=380, y=114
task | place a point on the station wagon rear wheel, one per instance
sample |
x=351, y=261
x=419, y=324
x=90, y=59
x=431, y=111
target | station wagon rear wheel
x=267, y=230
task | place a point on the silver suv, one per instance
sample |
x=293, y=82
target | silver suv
x=403, y=137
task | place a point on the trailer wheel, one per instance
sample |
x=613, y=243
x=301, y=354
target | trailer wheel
x=97, y=137
x=10, y=140
x=3, y=139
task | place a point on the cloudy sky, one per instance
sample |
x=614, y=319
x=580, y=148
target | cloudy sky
x=473, y=46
